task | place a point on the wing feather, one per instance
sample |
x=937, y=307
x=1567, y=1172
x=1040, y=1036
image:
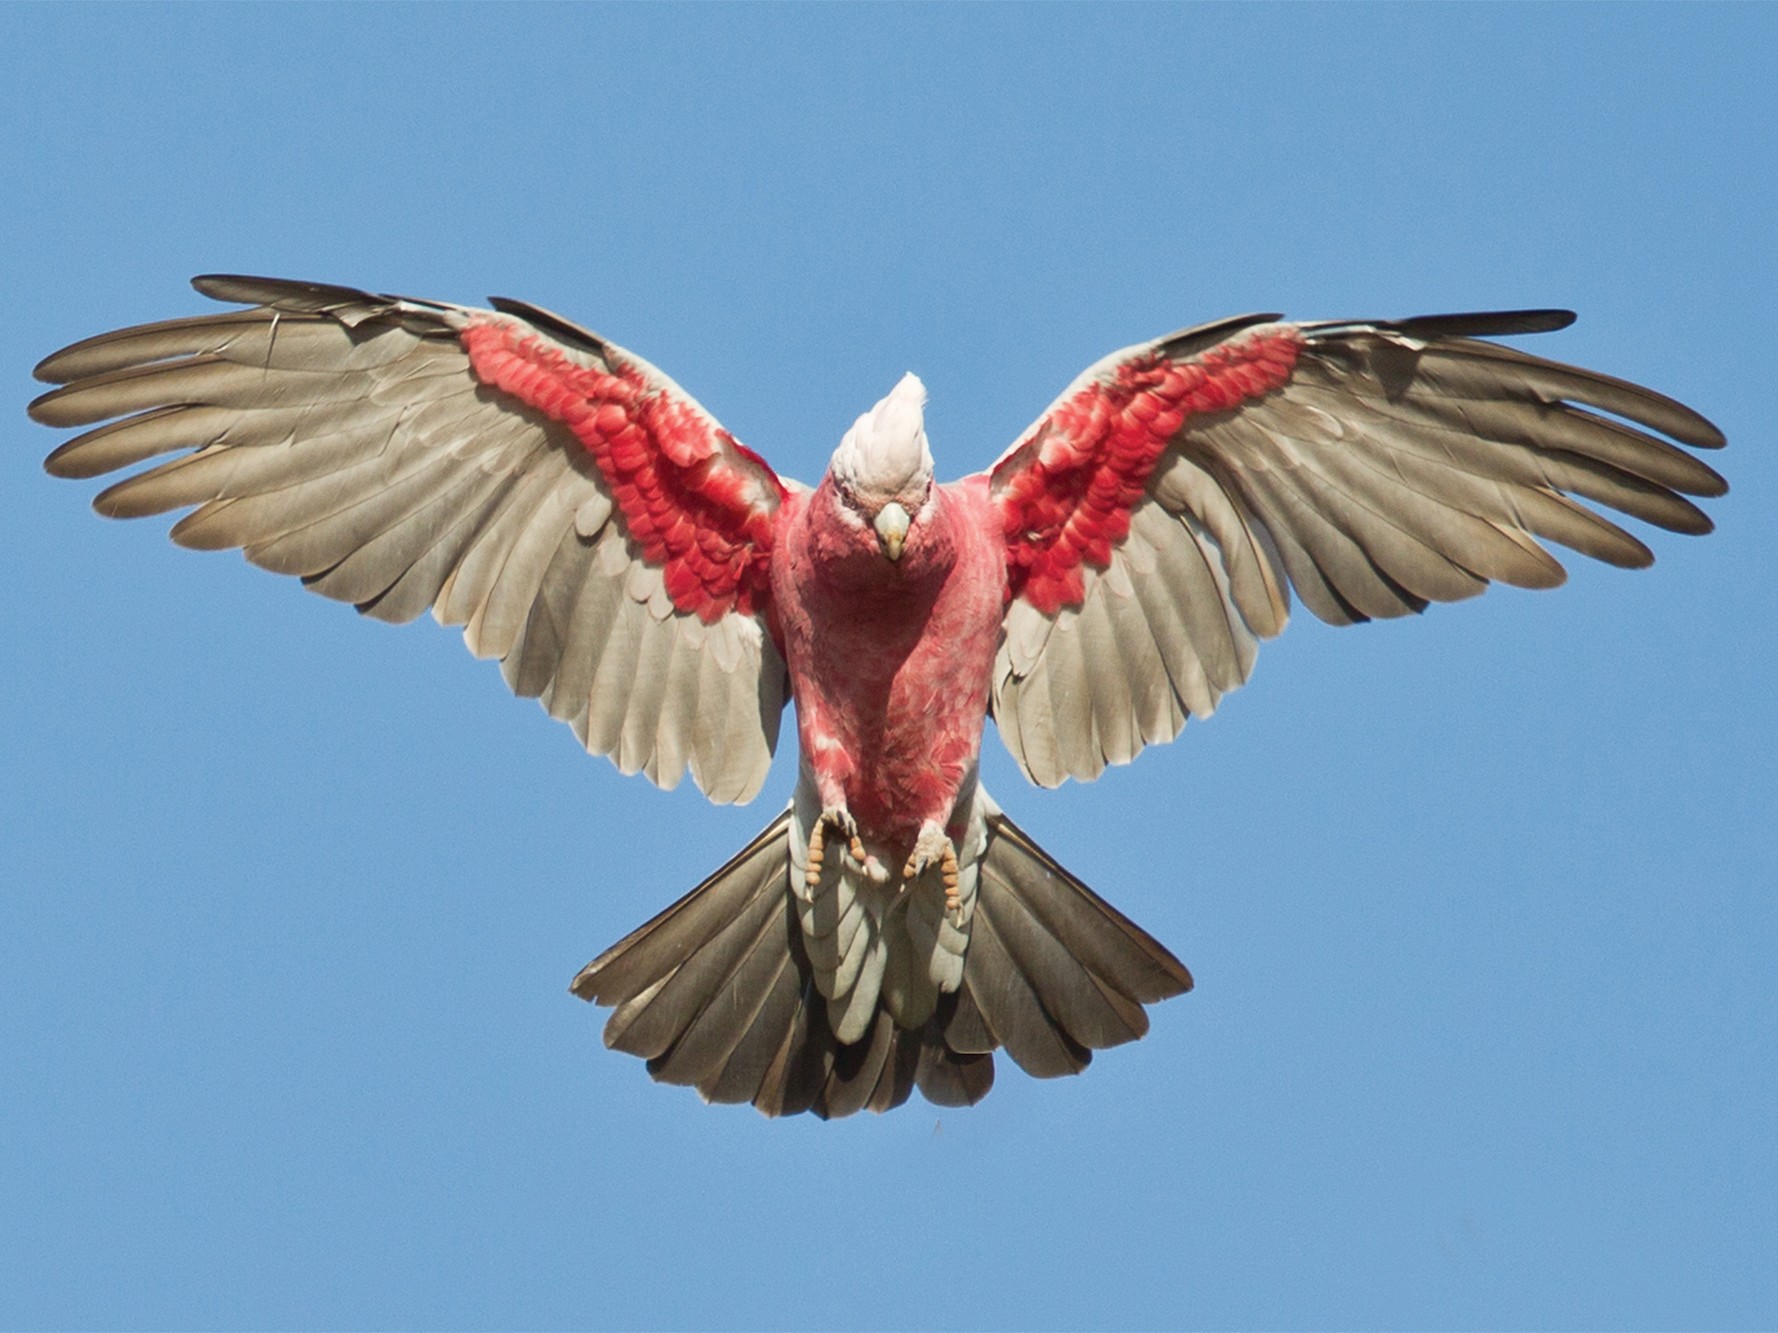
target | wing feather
x=1184, y=608
x=675, y=727
x=635, y=748
x=415, y=554
x=1374, y=467
x=1258, y=586
x=1153, y=697
x=1070, y=700
x=530, y=668
x=518, y=537
x=609, y=641
x=1114, y=733
x=557, y=496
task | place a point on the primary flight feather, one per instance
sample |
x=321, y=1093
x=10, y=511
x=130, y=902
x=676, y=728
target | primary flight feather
x=659, y=588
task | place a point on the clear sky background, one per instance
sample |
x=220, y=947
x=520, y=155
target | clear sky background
x=1481, y=906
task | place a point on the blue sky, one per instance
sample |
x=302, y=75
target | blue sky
x=1481, y=907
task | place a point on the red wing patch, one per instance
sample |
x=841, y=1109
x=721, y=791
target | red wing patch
x=695, y=501
x=1065, y=498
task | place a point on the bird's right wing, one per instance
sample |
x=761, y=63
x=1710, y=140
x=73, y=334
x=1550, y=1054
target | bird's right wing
x=583, y=518
x=1158, y=514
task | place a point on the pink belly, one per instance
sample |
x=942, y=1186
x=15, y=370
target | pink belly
x=913, y=740
x=890, y=666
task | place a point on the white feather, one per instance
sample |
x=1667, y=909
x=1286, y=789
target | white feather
x=885, y=453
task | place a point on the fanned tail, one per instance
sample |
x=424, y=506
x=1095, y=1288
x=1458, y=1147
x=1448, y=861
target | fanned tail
x=718, y=991
x=1054, y=972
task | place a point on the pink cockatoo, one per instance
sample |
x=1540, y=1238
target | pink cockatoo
x=663, y=591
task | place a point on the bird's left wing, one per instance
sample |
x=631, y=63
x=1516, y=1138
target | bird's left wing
x=1156, y=516
x=583, y=518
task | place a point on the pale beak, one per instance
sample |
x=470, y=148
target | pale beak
x=892, y=529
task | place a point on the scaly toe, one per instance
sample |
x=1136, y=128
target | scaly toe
x=841, y=819
x=930, y=849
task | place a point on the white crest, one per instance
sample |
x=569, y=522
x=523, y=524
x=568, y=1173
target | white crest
x=885, y=452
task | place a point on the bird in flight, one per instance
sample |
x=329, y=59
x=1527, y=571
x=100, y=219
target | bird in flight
x=663, y=591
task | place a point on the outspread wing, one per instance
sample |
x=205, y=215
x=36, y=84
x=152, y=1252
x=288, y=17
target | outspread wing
x=583, y=518
x=1158, y=513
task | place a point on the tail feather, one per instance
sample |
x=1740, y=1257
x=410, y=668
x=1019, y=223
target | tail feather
x=657, y=1021
x=654, y=949
x=744, y=1070
x=947, y=1076
x=1071, y=997
x=793, y=1082
x=719, y=992
x=702, y=1051
x=869, y=1073
x=1012, y=1007
x=1105, y=942
x=964, y=1028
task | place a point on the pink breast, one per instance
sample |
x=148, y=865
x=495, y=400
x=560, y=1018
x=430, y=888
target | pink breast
x=891, y=675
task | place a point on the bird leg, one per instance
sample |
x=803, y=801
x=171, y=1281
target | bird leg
x=841, y=819
x=932, y=848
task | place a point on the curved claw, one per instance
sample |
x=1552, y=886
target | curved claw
x=933, y=847
x=841, y=819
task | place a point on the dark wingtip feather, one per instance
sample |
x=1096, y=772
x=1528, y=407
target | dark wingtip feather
x=286, y=293
x=1182, y=343
x=550, y=322
x=1484, y=323
x=1466, y=324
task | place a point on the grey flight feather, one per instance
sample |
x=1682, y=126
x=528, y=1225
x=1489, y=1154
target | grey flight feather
x=1401, y=463
x=340, y=436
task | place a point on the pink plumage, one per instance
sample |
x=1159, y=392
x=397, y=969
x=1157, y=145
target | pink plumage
x=658, y=587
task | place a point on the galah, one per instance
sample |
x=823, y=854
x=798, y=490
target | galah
x=658, y=587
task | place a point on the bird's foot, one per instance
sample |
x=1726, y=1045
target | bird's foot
x=934, y=848
x=841, y=819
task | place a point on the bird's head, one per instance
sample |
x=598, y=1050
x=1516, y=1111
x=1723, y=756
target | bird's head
x=882, y=471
